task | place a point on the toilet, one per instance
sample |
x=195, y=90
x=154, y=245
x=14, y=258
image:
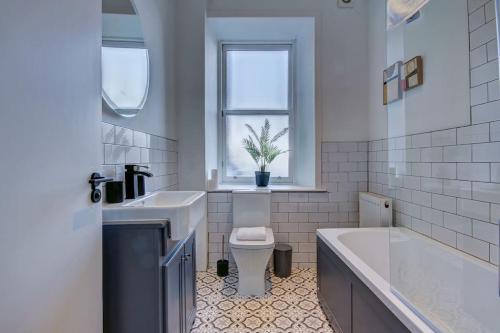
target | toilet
x=251, y=209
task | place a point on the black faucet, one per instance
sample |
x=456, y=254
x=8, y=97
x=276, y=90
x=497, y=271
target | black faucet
x=134, y=180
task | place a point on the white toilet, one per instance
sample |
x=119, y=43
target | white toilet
x=251, y=209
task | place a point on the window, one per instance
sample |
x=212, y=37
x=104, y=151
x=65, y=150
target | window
x=256, y=84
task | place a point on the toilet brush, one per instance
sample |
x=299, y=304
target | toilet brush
x=223, y=264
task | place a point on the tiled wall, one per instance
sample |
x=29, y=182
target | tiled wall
x=485, y=92
x=125, y=146
x=447, y=183
x=296, y=215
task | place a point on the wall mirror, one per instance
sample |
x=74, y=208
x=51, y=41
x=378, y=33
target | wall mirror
x=125, y=59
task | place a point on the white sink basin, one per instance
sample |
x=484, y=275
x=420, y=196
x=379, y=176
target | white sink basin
x=184, y=209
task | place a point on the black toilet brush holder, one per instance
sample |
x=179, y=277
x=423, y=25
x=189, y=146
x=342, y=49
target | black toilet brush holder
x=223, y=264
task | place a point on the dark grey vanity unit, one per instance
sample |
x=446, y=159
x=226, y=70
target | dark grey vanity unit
x=347, y=302
x=149, y=281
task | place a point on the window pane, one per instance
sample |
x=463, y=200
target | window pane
x=257, y=80
x=238, y=160
x=124, y=77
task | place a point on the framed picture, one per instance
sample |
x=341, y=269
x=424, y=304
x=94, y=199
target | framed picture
x=414, y=73
x=392, y=83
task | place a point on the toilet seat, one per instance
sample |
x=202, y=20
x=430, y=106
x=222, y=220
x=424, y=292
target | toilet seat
x=252, y=245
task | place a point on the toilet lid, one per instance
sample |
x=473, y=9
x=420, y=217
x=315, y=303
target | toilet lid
x=266, y=244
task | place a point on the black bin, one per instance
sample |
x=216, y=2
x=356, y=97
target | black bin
x=282, y=257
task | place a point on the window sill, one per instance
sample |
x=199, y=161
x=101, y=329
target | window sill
x=273, y=188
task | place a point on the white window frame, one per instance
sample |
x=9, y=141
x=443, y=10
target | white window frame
x=225, y=46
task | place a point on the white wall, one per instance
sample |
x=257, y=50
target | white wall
x=50, y=233
x=211, y=100
x=341, y=59
x=190, y=92
x=377, y=64
x=440, y=36
x=159, y=114
x=341, y=72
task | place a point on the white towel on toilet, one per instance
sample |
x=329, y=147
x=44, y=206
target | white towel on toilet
x=251, y=234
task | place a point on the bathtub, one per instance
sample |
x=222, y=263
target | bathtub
x=432, y=288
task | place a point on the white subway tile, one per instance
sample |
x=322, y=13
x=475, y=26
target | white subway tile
x=489, y=192
x=473, y=5
x=486, y=152
x=108, y=133
x=421, y=226
x=444, y=138
x=362, y=146
x=279, y=197
x=478, y=56
x=493, y=91
x=486, y=112
x=473, y=247
x=458, y=223
x=421, y=198
x=217, y=197
x=489, y=10
x=484, y=73
x=434, y=154
x=433, y=216
x=431, y=185
x=472, y=134
x=495, y=213
x=444, y=203
x=487, y=232
x=298, y=197
x=114, y=154
x=462, y=153
x=495, y=172
x=329, y=147
x=411, y=182
x=474, y=171
x=477, y=19
x=144, y=155
x=421, y=140
x=479, y=95
x=338, y=157
x=474, y=209
x=421, y=169
x=494, y=254
x=457, y=188
x=492, y=50
x=358, y=156
x=495, y=131
x=133, y=155
x=288, y=207
x=123, y=136
x=483, y=35
x=140, y=139
x=310, y=206
x=444, y=235
x=444, y=170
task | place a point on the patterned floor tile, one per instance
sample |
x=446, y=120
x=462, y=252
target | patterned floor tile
x=289, y=305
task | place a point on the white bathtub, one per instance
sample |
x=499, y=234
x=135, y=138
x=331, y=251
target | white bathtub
x=433, y=288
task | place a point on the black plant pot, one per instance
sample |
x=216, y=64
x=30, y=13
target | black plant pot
x=262, y=178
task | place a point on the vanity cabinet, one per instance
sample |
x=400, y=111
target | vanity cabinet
x=149, y=281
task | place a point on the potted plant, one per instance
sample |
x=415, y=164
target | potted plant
x=263, y=150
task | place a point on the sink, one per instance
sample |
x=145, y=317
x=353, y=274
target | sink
x=183, y=209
